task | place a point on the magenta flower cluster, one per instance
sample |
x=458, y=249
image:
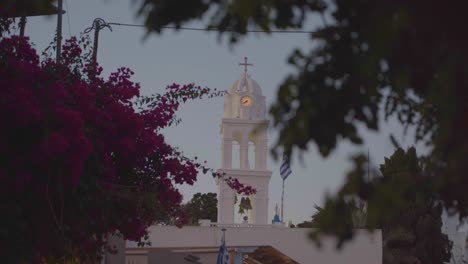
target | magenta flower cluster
x=82, y=156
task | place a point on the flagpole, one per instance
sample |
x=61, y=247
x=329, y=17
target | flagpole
x=59, y=31
x=223, y=255
x=285, y=171
x=224, y=234
x=368, y=165
x=282, y=203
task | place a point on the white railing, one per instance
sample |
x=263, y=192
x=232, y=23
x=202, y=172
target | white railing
x=242, y=225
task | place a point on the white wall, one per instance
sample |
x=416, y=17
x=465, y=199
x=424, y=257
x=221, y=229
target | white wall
x=364, y=249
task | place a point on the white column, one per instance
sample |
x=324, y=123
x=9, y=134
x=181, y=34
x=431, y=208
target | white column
x=252, y=212
x=261, y=154
x=261, y=202
x=225, y=204
x=226, y=153
x=244, y=155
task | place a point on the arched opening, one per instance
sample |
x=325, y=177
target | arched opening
x=235, y=155
x=251, y=156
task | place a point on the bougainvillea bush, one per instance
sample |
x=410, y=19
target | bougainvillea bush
x=82, y=156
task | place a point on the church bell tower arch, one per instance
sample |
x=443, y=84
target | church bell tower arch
x=244, y=122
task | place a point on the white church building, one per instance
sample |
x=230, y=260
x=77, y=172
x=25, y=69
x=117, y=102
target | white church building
x=252, y=239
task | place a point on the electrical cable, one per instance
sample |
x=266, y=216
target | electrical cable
x=217, y=30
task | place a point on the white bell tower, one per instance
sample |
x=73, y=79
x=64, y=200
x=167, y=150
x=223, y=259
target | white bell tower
x=244, y=124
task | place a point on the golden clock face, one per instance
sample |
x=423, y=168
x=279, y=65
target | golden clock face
x=246, y=100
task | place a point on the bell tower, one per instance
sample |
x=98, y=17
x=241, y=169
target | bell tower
x=244, y=124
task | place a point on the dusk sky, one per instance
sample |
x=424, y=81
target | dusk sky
x=199, y=57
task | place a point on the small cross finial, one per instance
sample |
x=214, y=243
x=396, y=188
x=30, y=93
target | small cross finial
x=245, y=64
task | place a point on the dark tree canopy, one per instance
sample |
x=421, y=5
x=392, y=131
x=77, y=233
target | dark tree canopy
x=412, y=229
x=410, y=219
x=202, y=206
x=306, y=224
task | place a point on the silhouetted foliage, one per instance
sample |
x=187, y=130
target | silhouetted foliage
x=202, y=206
x=410, y=218
x=78, y=161
x=306, y=224
x=406, y=59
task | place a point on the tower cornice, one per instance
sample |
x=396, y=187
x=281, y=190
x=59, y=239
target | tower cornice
x=243, y=121
x=244, y=172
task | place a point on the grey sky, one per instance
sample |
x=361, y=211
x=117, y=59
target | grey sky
x=198, y=57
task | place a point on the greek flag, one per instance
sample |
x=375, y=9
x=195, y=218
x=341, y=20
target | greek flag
x=223, y=255
x=285, y=170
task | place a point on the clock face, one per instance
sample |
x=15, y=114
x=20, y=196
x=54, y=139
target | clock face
x=246, y=100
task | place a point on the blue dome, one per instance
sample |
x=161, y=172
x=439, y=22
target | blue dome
x=276, y=219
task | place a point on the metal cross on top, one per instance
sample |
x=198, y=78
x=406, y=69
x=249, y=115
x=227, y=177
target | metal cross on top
x=245, y=64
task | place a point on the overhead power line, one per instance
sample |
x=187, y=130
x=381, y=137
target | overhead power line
x=99, y=24
x=215, y=29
